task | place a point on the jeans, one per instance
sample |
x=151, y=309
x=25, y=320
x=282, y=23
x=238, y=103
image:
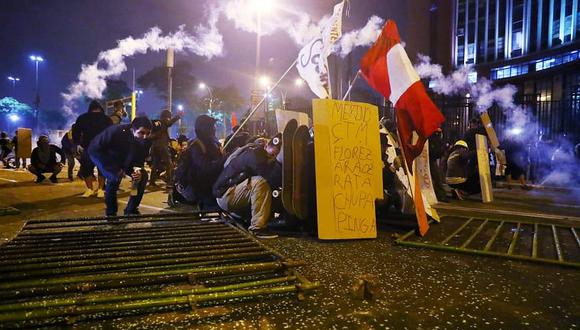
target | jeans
x=111, y=188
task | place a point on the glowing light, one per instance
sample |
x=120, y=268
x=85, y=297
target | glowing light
x=180, y=107
x=202, y=86
x=299, y=82
x=14, y=117
x=516, y=131
x=260, y=6
x=36, y=58
x=468, y=95
x=264, y=81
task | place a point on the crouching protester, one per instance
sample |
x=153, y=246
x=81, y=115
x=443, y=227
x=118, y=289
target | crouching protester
x=462, y=171
x=43, y=160
x=246, y=181
x=118, y=151
x=199, y=166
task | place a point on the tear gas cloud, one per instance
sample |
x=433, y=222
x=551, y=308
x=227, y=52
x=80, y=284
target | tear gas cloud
x=554, y=161
x=207, y=41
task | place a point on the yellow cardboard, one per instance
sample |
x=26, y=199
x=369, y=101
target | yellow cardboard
x=348, y=168
x=484, y=171
x=24, y=142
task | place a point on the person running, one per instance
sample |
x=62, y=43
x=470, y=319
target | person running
x=87, y=126
x=120, y=151
x=43, y=160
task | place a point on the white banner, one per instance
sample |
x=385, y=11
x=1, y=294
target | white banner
x=312, y=59
x=312, y=67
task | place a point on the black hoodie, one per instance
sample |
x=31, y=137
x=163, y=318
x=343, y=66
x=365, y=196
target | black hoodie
x=89, y=124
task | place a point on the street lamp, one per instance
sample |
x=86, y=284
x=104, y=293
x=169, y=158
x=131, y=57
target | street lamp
x=298, y=82
x=36, y=59
x=264, y=82
x=13, y=80
x=180, y=107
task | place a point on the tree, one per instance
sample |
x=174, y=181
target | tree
x=116, y=89
x=184, y=83
x=11, y=105
x=228, y=99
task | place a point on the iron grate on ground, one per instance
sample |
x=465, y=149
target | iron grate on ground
x=520, y=240
x=69, y=270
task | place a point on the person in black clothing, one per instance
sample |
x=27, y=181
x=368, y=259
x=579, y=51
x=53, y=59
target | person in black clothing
x=462, y=174
x=475, y=128
x=43, y=160
x=200, y=165
x=5, y=148
x=160, y=156
x=87, y=126
x=241, y=139
x=70, y=151
x=517, y=156
x=436, y=151
x=118, y=151
x=247, y=180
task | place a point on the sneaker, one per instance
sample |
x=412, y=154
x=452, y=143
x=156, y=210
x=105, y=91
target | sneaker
x=263, y=233
x=88, y=193
x=53, y=179
x=100, y=193
x=40, y=178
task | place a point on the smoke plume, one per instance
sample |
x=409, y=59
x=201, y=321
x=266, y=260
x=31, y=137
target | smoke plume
x=206, y=42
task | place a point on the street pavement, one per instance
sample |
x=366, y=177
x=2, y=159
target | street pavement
x=413, y=288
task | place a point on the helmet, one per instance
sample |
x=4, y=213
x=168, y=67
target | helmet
x=461, y=143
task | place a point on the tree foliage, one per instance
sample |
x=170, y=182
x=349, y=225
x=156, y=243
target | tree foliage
x=11, y=105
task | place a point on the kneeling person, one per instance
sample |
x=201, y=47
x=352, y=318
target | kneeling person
x=43, y=160
x=246, y=181
x=118, y=151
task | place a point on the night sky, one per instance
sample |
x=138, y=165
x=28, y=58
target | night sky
x=68, y=33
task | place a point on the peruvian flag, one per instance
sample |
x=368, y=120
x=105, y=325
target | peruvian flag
x=387, y=68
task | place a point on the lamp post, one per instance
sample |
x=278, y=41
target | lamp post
x=14, y=80
x=204, y=86
x=36, y=59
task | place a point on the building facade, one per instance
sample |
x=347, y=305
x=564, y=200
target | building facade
x=532, y=44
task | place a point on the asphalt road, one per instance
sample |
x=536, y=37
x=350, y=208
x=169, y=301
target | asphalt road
x=415, y=288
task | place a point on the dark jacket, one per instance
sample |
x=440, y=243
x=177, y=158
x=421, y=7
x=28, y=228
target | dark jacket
x=67, y=144
x=470, y=134
x=458, y=165
x=117, y=149
x=88, y=125
x=205, y=162
x=252, y=160
x=35, y=160
x=161, y=135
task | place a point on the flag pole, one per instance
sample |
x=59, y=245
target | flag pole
x=351, y=85
x=260, y=103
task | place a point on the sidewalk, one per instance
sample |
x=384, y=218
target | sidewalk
x=541, y=203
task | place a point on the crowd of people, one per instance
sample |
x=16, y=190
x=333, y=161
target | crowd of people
x=238, y=175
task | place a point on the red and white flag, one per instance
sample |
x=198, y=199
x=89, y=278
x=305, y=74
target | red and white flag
x=387, y=68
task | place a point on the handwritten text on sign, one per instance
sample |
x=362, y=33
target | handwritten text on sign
x=348, y=168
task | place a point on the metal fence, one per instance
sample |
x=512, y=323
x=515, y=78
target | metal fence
x=552, y=118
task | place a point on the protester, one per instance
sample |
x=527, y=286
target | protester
x=200, y=165
x=160, y=157
x=118, y=151
x=43, y=160
x=517, y=157
x=246, y=181
x=436, y=152
x=70, y=151
x=17, y=160
x=475, y=127
x=118, y=112
x=240, y=139
x=5, y=149
x=462, y=174
x=87, y=126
